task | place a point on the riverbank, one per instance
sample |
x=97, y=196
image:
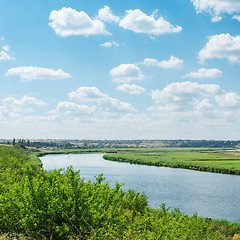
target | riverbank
x=60, y=205
x=216, y=160
x=200, y=159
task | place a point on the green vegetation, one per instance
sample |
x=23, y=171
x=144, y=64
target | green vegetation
x=36, y=204
x=60, y=144
x=15, y=158
x=201, y=159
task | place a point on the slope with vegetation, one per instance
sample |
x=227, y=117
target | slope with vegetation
x=36, y=204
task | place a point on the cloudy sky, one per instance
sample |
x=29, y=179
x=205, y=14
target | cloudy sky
x=120, y=69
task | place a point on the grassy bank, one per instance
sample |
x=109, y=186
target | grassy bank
x=209, y=160
x=36, y=204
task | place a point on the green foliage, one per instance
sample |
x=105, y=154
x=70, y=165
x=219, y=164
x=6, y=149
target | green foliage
x=61, y=205
x=13, y=159
x=164, y=209
x=135, y=201
x=56, y=205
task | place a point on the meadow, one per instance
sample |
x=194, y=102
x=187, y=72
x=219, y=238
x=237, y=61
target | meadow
x=36, y=204
x=201, y=159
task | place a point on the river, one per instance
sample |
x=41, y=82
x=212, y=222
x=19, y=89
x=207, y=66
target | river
x=211, y=195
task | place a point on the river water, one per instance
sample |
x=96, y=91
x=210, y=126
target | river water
x=211, y=195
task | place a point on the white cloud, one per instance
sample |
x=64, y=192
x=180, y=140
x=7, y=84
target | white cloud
x=139, y=22
x=4, y=114
x=204, y=73
x=114, y=105
x=87, y=94
x=126, y=73
x=193, y=104
x=204, y=112
x=236, y=17
x=204, y=105
x=37, y=73
x=106, y=15
x=73, y=108
x=68, y=22
x=26, y=100
x=6, y=48
x=163, y=108
x=173, y=62
x=4, y=56
x=221, y=46
x=131, y=89
x=110, y=44
x=105, y=102
x=228, y=100
x=217, y=7
x=15, y=108
x=216, y=19
x=180, y=93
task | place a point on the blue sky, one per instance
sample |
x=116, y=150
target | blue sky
x=120, y=69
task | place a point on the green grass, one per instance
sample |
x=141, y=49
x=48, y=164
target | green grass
x=211, y=160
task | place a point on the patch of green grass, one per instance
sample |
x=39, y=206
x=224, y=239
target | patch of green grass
x=211, y=160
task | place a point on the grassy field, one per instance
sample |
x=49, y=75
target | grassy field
x=210, y=160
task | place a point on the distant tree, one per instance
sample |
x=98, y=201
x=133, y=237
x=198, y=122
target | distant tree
x=21, y=143
x=14, y=141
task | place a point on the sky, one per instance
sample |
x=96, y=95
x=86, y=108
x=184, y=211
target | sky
x=128, y=69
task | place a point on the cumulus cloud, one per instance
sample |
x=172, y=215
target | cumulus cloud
x=15, y=108
x=26, y=100
x=106, y=15
x=204, y=73
x=126, y=73
x=4, y=56
x=204, y=105
x=189, y=102
x=68, y=22
x=221, y=46
x=236, y=17
x=87, y=94
x=173, y=62
x=37, y=73
x=228, y=100
x=105, y=102
x=72, y=108
x=138, y=22
x=216, y=19
x=180, y=93
x=114, y=105
x=131, y=88
x=110, y=44
x=217, y=7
